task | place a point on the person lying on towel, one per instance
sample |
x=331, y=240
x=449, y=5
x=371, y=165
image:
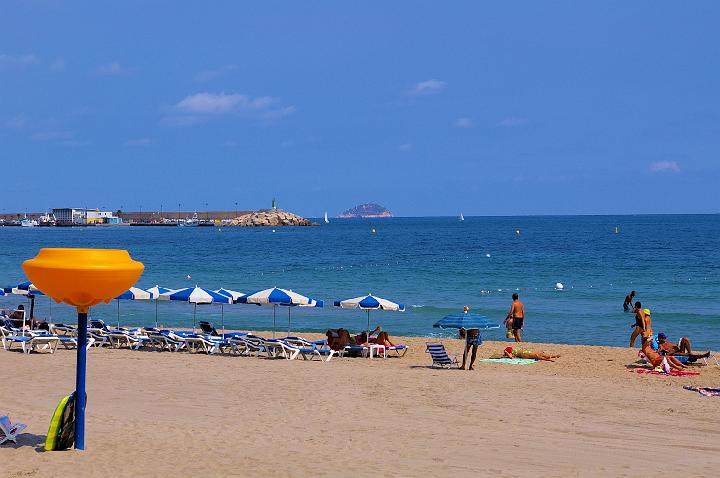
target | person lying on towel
x=517, y=352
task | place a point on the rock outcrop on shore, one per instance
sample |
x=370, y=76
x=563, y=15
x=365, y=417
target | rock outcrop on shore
x=270, y=217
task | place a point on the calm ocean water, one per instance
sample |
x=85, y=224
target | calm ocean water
x=433, y=265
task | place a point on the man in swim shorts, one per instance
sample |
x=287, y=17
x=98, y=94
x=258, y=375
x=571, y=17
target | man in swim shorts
x=472, y=339
x=627, y=305
x=517, y=314
x=683, y=348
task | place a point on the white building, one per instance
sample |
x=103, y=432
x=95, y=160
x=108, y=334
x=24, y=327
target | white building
x=81, y=216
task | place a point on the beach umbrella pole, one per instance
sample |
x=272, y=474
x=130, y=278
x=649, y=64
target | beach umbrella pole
x=288, y=321
x=194, y=312
x=274, y=310
x=222, y=317
x=156, y=322
x=118, y=313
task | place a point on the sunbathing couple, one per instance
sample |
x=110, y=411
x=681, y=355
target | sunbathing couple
x=340, y=338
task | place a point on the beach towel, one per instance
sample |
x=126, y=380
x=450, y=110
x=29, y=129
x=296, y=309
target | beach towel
x=672, y=373
x=708, y=392
x=514, y=361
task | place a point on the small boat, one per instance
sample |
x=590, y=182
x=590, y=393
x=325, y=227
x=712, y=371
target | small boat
x=462, y=218
x=192, y=222
x=28, y=222
x=327, y=221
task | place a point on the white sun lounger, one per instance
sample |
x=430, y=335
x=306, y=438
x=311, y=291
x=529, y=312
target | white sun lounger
x=166, y=340
x=9, y=431
x=32, y=342
x=120, y=338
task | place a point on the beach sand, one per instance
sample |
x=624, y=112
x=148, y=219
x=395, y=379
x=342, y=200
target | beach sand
x=176, y=414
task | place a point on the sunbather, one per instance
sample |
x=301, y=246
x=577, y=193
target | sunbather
x=516, y=352
x=683, y=348
x=655, y=358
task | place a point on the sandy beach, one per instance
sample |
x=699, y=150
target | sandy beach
x=161, y=413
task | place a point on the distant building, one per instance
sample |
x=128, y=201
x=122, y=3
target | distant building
x=82, y=216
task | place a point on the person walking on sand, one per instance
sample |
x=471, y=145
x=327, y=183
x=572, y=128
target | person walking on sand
x=627, y=305
x=641, y=323
x=517, y=314
x=472, y=339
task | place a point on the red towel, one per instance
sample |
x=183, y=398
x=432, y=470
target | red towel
x=673, y=373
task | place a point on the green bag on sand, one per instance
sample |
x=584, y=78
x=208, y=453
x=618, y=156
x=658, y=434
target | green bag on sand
x=61, y=434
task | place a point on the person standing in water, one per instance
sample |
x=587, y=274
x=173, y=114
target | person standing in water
x=627, y=305
x=517, y=315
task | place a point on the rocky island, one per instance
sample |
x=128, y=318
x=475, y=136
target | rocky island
x=369, y=210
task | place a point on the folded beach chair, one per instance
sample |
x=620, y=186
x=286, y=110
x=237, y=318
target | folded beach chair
x=9, y=431
x=440, y=356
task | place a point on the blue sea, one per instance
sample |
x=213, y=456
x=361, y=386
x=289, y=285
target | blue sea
x=433, y=265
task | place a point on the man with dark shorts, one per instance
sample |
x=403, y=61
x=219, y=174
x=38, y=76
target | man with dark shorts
x=683, y=348
x=517, y=315
x=472, y=339
x=627, y=305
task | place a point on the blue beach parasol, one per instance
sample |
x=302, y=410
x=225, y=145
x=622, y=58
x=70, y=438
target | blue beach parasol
x=467, y=321
x=275, y=297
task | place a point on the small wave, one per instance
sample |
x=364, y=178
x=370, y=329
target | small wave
x=416, y=306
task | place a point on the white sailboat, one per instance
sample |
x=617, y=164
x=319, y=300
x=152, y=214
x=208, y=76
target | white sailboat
x=327, y=221
x=462, y=218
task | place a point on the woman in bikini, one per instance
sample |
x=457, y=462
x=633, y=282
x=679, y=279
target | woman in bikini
x=516, y=352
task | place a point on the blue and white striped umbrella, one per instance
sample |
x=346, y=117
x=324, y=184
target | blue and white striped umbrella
x=369, y=302
x=133, y=293
x=197, y=295
x=159, y=293
x=276, y=296
x=25, y=288
x=234, y=295
x=467, y=321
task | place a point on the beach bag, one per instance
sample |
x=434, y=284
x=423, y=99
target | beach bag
x=61, y=434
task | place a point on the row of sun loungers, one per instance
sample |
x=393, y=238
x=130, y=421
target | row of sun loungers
x=209, y=342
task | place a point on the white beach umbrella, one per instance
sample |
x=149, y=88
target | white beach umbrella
x=275, y=297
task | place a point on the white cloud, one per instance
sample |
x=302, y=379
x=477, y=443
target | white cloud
x=664, y=166
x=18, y=60
x=512, y=122
x=463, y=123
x=405, y=147
x=51, y=136
x=58, y=65
x=111, y=69
x=138, y=142
x=208, y=75
x=262, y=108
x=427, y=87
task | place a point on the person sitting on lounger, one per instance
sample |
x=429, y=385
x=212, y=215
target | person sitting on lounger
x=383, y=339
x=655, y=358
x=683, y=348
x=516, y=352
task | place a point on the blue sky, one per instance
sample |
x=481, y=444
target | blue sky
x=429, y=108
